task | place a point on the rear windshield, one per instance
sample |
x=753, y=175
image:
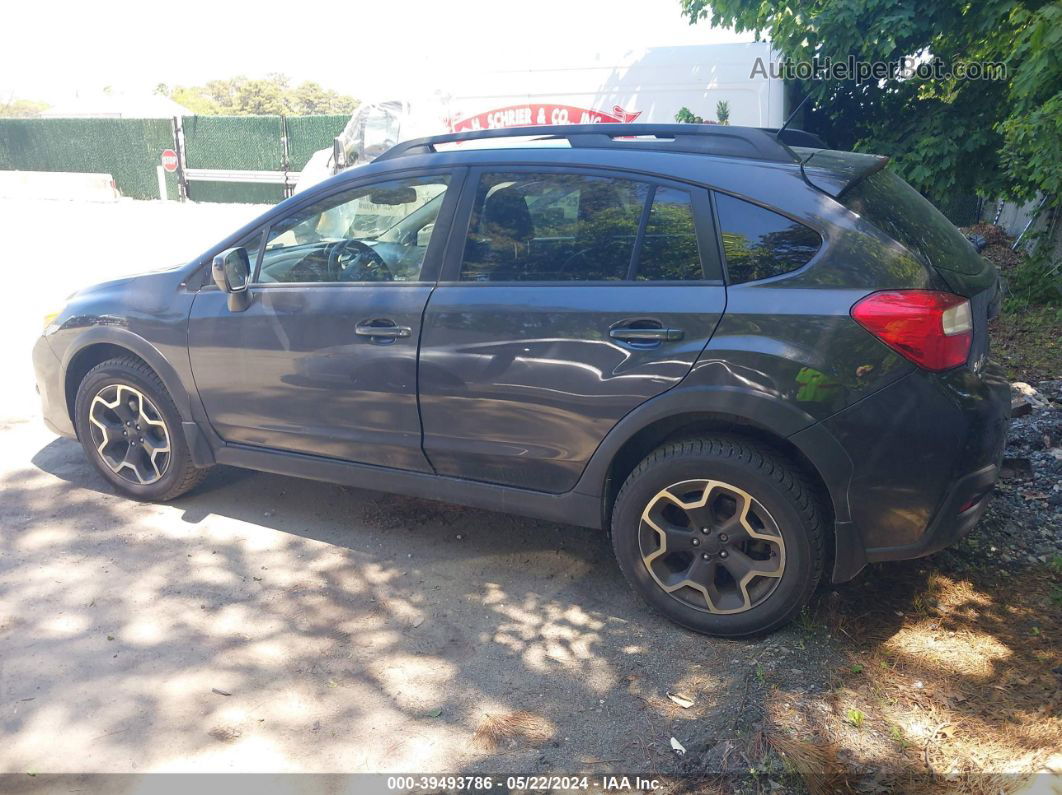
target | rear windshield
x=903, y=214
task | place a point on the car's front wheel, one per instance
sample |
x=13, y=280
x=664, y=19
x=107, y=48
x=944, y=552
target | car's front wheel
x=720, y=535
x=131, y=431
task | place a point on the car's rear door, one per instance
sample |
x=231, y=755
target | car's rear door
x=568, y=297
x=323, y=359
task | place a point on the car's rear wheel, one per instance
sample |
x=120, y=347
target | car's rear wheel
x=720, y=535
x=131, y=431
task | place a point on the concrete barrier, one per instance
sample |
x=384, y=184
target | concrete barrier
x=57, y=185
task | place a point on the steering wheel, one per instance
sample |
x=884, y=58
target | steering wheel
x=353, y=261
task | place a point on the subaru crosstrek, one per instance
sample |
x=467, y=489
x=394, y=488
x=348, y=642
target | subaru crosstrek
x=755, y=364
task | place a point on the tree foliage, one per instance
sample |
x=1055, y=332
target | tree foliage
x=686, y=116
x=722, y=113
x=272, y=95
x=946, y=135
x=1033, y=129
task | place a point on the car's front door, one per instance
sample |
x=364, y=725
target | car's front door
x=323, y=360
x=574, y=297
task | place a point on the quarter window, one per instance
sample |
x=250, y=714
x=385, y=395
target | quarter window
x=758, y=243
x=376, y=233
x=552, y=227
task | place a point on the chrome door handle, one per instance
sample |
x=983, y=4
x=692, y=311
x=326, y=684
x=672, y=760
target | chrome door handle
x=646, y=334
x=391, y=332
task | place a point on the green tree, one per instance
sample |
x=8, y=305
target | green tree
x=1032, y=131
x=195, y=101
x=310, y=98
x=271, y=95
x=259, y=98
x=946, y=135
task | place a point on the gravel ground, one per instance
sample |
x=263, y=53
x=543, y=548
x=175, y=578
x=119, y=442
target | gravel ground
x=1024, y=520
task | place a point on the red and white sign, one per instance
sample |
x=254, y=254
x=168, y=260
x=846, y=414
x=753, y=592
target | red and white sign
x=538, y=113
x=169, y=160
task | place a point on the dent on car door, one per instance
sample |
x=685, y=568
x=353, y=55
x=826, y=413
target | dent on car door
x=574, y=297
x=323, y=360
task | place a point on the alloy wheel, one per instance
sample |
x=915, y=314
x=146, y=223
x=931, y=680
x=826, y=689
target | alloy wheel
x=711, y=546
x=129, y=434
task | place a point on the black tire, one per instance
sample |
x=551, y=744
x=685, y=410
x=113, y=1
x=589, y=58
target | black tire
x=791, y=519
x=178, y=474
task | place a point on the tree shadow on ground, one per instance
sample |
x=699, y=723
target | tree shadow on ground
x=945, y=679
x=269, y=623
x=359, y=631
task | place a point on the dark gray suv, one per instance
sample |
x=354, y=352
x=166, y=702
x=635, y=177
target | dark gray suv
x=752, y=363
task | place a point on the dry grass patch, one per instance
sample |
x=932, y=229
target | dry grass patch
x=949, y=682
x=511, y=728
x=815, y=763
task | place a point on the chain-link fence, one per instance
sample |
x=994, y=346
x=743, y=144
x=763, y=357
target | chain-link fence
x=130, y=150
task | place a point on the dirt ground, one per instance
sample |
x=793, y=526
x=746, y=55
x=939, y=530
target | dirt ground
x=269, y=624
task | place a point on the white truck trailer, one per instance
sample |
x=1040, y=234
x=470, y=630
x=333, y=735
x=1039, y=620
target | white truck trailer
x=649, y=85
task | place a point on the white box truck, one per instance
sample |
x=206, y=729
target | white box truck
x=649, y=85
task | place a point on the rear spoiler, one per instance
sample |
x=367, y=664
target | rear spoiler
x=792, y=137
x=834, y=172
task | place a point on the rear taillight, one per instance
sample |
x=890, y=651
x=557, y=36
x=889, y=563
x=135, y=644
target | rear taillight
x=933, y=329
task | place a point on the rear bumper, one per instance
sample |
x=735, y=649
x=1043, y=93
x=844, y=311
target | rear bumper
x=961, y=510
x=925, y=453
x=47, y=371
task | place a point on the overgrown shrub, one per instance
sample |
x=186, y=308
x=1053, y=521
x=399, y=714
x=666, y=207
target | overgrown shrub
x=1035, y=281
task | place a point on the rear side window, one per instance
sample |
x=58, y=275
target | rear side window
x=552, y=227
x=669, y=248
x=758, y=243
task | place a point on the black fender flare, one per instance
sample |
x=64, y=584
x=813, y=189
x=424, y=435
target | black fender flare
x=202, y=454
x=123, y=338
x=764, y=412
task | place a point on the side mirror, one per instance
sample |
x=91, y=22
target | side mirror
x=232, y=272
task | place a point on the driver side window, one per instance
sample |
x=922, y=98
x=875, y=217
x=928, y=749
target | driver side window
x=374, y=233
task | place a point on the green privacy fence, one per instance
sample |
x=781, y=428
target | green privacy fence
x=253, y=143
x=129, y=150
x=244, y=143
x=309, y=134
